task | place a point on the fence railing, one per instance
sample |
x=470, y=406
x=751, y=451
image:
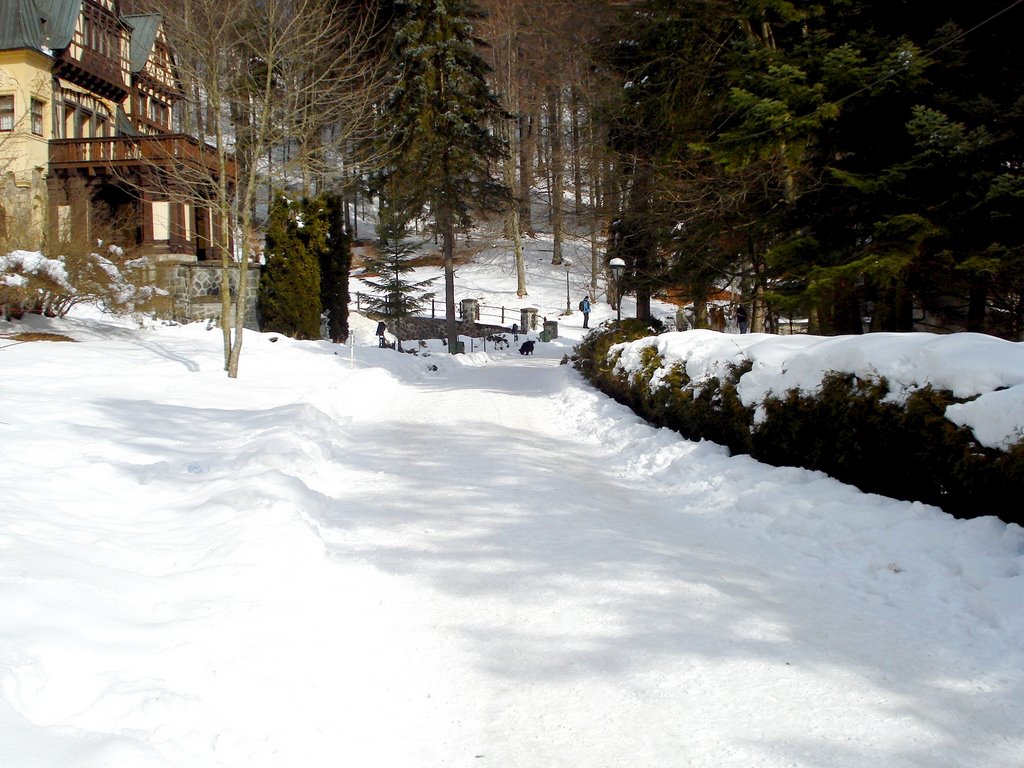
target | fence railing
x=160, y=150
x=493, y=315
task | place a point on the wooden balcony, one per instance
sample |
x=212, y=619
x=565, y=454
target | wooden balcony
x=107, y=156
x=95, y=72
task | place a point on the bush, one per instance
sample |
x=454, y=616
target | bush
x=846, y=429
x=117, y=283
x=593, y=362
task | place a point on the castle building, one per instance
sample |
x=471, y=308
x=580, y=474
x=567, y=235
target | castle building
x=88, y=134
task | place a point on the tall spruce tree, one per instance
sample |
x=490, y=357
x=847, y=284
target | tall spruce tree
x=290, y=283
x=892, y=132
x=437, y=125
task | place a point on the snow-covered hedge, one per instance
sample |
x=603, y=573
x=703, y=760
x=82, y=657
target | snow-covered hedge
x=879, y=412
x=31, y=282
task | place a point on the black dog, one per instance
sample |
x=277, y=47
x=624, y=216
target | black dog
x=527, y=348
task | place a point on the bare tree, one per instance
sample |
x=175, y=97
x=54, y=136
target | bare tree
x=285, y=81
x=541, y=55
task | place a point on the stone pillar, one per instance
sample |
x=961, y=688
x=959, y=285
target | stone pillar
x=528, y=319
x=470, y=310
x=682, y=320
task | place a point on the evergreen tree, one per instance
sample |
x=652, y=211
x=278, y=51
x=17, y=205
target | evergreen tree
x=436, y=125
x=897, y=125
x=673, y=216
x=290, y=282
x=395, y=296
x=847, y=159
x=335, y=264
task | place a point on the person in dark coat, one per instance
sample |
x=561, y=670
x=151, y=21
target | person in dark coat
x=741, y=317
x=381, y=342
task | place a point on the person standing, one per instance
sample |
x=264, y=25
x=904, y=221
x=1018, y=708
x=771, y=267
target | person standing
x=585, y=308
x=741, y=317
x=381, y=342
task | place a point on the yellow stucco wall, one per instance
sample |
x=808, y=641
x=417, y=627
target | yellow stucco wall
x=25, y=74
x=24, y=156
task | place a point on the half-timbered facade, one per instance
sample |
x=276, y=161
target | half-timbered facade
x=87, y=131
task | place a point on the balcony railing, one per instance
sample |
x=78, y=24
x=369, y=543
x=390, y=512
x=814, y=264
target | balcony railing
x=95, y=72
x=106, y=155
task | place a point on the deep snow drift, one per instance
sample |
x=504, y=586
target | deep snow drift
x=354, y=557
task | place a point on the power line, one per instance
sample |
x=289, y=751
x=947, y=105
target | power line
x=935, y=50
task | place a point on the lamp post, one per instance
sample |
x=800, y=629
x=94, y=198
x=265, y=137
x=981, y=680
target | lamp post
x=617, y=266
x=568, y=304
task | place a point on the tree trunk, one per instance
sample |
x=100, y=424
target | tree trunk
x=557, y=172
x=976, y=304
x=240, y=302
x=244, y=225
x=527, y=139
x=446, y=223
x=643, y=304
x=225, y=305
x=512, y=222
x=577, y=167
x=517, y=240
x=223, y=209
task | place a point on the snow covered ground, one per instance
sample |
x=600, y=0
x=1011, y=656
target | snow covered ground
x=354, y=557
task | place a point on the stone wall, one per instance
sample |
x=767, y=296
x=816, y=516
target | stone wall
x=436, y=328
x=22, y=208
x=195, y=290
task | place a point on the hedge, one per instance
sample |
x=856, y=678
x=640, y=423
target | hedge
x=846, y=429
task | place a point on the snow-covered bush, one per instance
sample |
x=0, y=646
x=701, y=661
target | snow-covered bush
x=85, y=267
x=848, y=427
x=32, y=282
x=27, y=278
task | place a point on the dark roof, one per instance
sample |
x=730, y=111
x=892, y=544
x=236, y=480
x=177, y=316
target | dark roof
x=144, y=29
x=21, y=25
x=60, y=17
x=49, y=25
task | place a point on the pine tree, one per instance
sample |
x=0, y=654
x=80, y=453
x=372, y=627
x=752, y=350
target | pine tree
x=848, y=159
x=909, y=211
x=395, y=296
x=436, y=124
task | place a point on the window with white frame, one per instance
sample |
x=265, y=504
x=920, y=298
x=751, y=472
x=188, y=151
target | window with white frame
x=6, y=113
x=37, y=117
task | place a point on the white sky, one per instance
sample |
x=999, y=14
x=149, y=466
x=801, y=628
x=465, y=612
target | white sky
x=346, y=558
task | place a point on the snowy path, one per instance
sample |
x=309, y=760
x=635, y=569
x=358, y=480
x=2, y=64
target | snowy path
x=583, y=620
x=489, y=564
